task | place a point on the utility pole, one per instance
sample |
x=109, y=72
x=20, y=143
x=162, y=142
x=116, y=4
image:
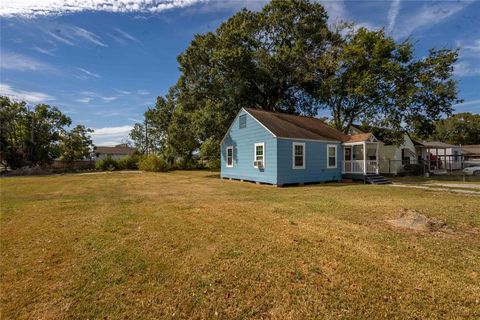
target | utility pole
x=146, y=135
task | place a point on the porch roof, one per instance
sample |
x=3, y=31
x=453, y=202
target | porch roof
x=435, y=145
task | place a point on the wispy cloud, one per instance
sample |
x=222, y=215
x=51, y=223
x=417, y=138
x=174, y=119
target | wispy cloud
x=392, y=14
x=31, y=8
x=468, y=106
x=111, y=135
x=430, y=14
x=87, y=35
x=44, y=51
x=56, y=36
x=468, y=103
x=73, y=35
x=465, y=69
x=125, y=92
x=32, y=97
x=108, y=99
x=471, y=49
x=336, y=10
x=84, y=99
x=20, y=62
x=85, y=74
x=126, y=35
x=143, y=92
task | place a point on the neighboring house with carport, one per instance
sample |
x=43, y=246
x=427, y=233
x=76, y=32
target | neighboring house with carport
x=282, y=149
x=440, y=156
x=471, y=152
x=392, y=158
x=117, y=152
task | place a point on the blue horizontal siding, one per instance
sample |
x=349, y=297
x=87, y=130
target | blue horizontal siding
x=243, y=142
x=315, y=162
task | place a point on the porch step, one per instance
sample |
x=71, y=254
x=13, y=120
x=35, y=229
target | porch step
x=376, y=179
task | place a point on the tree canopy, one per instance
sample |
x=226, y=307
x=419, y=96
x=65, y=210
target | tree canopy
x=37, y=136
x=287, y=58
x=461, y=128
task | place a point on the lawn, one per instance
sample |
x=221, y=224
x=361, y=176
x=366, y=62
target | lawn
x=188, y=245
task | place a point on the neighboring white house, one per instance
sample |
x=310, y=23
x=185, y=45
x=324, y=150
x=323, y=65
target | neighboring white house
x=392, y=158
x=117, y=152
x=441, y=156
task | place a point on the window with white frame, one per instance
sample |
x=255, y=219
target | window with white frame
x=331, y=156
x=230, y=157
x=298, y=155
x=259, y=155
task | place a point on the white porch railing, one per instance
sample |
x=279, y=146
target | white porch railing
x=353, y=166
x=372, y=166
x=358, y=166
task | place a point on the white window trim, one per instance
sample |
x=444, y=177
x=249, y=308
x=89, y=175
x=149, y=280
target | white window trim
x=255, y=153
x=336, y=156
x=229, y=166
x=294, y=144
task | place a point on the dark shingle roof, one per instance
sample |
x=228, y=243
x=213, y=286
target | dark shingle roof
x=285, y=125
x=114, y=150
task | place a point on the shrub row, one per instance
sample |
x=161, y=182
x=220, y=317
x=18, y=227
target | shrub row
x=134, y=162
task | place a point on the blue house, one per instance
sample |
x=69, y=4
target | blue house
x=281, y=149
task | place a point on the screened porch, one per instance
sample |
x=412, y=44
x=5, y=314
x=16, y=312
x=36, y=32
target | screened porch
x=360, y=157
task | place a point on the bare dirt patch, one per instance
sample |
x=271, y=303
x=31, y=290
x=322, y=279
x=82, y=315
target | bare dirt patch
x=414, y=220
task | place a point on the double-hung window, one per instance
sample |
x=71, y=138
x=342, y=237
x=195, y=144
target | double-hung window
x=259, y=155
x=331, y=156
x=230, y=157
x=298, y=155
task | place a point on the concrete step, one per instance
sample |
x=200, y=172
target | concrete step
x=376, y=179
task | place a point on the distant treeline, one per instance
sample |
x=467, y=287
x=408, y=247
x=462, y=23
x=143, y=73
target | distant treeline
x=38, y=135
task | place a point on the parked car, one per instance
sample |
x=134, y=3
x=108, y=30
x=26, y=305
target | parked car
x=472, y=170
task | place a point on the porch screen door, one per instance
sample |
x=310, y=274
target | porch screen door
x=348, y=160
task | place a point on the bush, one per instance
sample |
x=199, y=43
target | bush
x=414, y=169
x=129, y=162
x=153, y=163
x=107, y=164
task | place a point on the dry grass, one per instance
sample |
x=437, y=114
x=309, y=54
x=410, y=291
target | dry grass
x=188, y=245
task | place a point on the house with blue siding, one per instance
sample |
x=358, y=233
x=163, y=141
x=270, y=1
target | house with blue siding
x=282, y=149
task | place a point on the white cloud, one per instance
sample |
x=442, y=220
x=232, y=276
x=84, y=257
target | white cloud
x=84, y=99
x=86, y=35
x=31, y=8
x=475, y=47
x=336, y=10
x=471, y=50
x=20, y=62
x=430, y=14
x=468, y=106
x=143, y=92
x=111, y=135
x=73, y=35
x=392, y=14
x=55, y=35
x=32, y=97
x=85, y=74
x=465, y=69
x=44, y=51
x=108, y=99
x=123, y=91
x=126, y=35
x=468, y=103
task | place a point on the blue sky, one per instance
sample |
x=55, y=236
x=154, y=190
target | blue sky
x=104, y=62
